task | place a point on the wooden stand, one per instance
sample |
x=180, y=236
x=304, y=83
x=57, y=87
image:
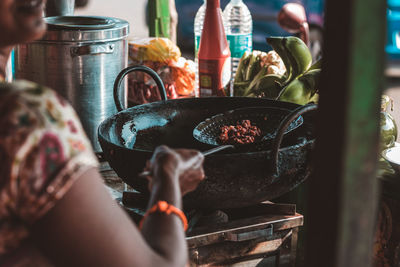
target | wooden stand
x=261, y=235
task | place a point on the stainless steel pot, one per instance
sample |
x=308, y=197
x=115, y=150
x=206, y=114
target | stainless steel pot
x=79, y=57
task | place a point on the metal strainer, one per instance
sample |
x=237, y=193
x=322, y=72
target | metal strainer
x=266, y=118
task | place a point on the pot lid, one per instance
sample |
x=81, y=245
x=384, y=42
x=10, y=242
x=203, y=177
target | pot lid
x=85, y=29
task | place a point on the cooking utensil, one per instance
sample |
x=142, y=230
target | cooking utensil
x=79, y=57
x=163, y=94
x=267, y=119
x=234, y=178
x=205, y=153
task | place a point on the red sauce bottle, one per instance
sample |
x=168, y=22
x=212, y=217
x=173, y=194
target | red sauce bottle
x=214, y=54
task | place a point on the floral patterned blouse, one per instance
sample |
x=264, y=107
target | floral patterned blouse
x=43, y=150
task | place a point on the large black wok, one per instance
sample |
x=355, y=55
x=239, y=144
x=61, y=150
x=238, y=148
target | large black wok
x=233, y=179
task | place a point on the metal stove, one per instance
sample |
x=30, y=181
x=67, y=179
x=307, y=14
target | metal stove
x=260, y=235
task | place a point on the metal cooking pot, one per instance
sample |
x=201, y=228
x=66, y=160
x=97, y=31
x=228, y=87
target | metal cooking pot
x=79, y=57
x=234, y=179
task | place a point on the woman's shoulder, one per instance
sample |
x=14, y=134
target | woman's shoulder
x=24, y=96
x=30, y=110
x=22, y=106
x=43, y=149
x=29, y=92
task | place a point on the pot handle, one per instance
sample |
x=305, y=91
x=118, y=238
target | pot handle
x=92, y=49
x=124, y=72
x=276, y=144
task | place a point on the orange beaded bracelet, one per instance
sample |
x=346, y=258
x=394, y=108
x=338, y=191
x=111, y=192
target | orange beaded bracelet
x=164, y=207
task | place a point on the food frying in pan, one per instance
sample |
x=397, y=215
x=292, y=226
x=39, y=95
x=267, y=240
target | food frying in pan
x=241, y=133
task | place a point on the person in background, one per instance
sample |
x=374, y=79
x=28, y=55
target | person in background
x=54, y=208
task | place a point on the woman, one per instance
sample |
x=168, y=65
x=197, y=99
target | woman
x=52, y=200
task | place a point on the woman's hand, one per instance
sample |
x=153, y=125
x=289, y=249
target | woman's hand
x=181, y=165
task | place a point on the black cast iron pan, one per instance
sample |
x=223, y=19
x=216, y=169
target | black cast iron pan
x=234, y=179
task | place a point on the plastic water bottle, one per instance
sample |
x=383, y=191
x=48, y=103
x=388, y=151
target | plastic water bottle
x=198, y=28
x=239, y=30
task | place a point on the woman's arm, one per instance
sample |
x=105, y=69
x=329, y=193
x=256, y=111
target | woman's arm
x=87, y=228
x=176, y=172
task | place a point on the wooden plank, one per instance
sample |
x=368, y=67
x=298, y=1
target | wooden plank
x=222, y=252
x=202, y=236
x=261, y=209
x=343, y=190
